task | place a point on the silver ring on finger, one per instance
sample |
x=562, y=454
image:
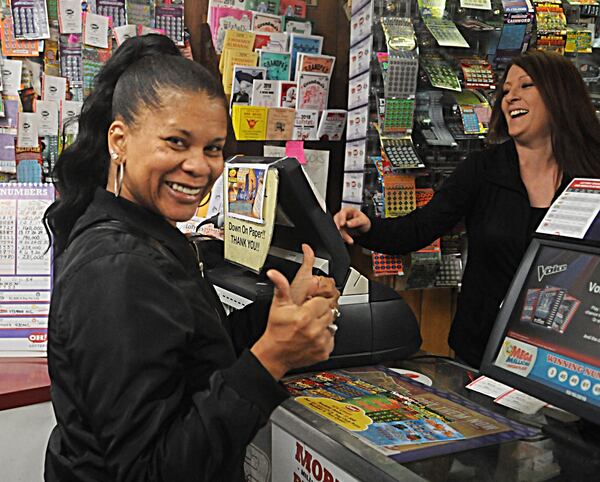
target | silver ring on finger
x=332, y=327
x=336, y=313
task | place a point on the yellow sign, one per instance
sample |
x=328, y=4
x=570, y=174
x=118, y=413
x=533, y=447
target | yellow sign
x=348, y=416
x=249, y=122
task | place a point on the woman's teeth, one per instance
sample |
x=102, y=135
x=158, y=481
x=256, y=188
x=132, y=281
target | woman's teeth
x=183, y=189
x=518, y=112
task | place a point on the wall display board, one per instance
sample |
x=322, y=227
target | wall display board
x=298, y=72
x=52, y=51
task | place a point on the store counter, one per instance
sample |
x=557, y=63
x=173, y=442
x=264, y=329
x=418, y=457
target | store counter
x=299, y=445
x=23, y=381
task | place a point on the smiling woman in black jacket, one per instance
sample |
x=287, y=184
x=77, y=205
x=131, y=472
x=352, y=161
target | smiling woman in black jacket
x=544, y=110
x=150, y=381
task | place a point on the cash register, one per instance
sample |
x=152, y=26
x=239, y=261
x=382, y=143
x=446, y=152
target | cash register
x=375, y=323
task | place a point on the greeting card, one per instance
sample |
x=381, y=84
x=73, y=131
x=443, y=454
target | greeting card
x=313, y=91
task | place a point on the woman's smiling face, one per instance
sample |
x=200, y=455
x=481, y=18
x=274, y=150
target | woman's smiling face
x=172, y=154
x=527, y=117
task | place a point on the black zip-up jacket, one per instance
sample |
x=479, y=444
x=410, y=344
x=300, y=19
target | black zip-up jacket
x=149, y=380
x=487, y=190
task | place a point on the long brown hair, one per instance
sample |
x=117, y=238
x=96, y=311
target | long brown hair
x=574, y=126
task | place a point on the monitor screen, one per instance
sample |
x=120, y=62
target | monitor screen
x=546, y=339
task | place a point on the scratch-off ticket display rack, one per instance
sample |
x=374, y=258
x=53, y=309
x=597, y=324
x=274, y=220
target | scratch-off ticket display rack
x=430, y=69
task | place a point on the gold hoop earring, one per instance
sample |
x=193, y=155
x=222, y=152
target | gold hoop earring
x=119, y=179
x=207, y=201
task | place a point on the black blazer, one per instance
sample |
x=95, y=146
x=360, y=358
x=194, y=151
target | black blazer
x=147, y=384
x=486, y=189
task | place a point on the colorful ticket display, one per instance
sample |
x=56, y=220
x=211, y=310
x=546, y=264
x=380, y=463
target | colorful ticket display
x=387, y=264
x=398, y=416
x=440, y=73
x=400, y=153
x=446, y=33
x=477, y=74
x=554, y=331
x=400, y=195
x=399, y=34
x=25, y=269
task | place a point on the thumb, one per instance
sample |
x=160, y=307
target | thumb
x=282, y=287
x=308, y=261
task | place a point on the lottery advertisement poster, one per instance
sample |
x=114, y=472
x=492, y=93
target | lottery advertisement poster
x=581, y=196
x=245, y=191
x=554, y=332
x=397, y=416
x=25, y=269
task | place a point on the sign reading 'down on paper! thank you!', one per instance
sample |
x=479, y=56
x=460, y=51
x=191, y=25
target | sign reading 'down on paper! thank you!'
x=250, y=194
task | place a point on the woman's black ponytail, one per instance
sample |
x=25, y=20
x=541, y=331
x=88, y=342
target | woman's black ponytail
x=83, y=166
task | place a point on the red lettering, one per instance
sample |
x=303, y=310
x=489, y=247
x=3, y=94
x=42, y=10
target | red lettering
x=299, y=452
x=304, y=458
x=312, y=466
x=317, y=470
x=590, y=372
x=38, y=337
x=521, y=354
x=566, y=364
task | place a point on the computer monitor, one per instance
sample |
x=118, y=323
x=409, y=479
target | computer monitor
x=375, y=324
x=546, y=338
x=301, y=218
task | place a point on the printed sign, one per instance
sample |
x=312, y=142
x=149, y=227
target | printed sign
x=295, y=461
x=25, y=269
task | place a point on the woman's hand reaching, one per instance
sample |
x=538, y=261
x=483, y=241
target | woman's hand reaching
x=350, y=220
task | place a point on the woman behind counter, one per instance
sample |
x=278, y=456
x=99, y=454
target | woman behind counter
x=542, y=107
x=150, y=381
